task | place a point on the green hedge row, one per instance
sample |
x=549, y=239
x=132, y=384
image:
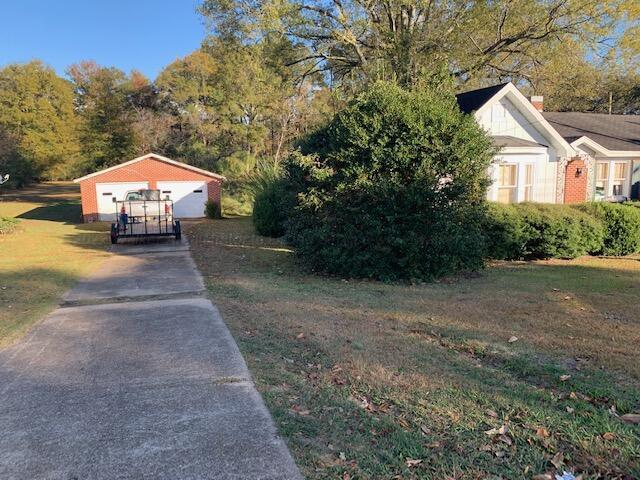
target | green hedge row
x=535, y=231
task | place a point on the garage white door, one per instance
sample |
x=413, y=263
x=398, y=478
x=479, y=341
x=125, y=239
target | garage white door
x=188, y=197
x=107, y=193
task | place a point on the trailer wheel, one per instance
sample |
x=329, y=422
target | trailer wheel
x=114, y=233
x=177, y=230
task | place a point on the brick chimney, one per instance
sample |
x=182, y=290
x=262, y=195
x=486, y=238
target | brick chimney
x=538, y=102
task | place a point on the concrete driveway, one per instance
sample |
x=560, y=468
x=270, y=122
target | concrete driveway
x=135, y=376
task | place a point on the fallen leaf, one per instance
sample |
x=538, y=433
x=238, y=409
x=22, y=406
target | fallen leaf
x=570, y=410
x=608, y=436
x=497, y=431
x=499, y=454
x=412, y=463
x=491, y=413
x=567, y=297
x=558, y=460
x=542, y=432
x=633, y=418
x=300, y=336
x=513, y=339
x=346, y=476
x=564, y=378
x=425, y=430
x=543, y=476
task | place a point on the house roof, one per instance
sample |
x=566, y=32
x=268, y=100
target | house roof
x=508, y=141
x=614, y=132
x=156, y=157
x=473, y=100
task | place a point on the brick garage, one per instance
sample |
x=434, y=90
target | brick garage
x=189, y=187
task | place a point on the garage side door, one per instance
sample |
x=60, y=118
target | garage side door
x=107, y=193
x=188, y=197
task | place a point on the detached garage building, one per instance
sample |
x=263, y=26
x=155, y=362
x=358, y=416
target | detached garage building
x=189, y=187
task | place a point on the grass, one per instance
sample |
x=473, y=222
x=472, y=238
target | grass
x=372, y=380
x=44, y=255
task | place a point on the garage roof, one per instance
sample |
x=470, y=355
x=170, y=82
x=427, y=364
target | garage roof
x=156, y=157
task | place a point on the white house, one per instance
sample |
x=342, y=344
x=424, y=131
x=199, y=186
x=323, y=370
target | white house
x=551, y=157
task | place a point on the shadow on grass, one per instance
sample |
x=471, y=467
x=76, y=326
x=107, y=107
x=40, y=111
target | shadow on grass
x=26, y=295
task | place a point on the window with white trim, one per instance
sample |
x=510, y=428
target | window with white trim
x=528, y=183
x=507, y=183
x=619, y=178
x=602, y=180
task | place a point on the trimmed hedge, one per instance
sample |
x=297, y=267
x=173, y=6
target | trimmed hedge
x=538, y=231
x=621, y=226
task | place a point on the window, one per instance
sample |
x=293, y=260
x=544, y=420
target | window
x=528, y=183
x=602, y=180
x=619, y=178
x=133, y=196
x=507, y=183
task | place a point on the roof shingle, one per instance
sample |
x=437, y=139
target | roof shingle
x=614, y=132
x=473, y=100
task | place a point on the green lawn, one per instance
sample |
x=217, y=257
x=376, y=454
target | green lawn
x=44, y=254
x=371, y=380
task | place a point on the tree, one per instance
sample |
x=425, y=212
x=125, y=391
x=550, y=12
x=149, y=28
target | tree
x=107, y=132
x=37, y=114
x=359, y=40
x=394, y=187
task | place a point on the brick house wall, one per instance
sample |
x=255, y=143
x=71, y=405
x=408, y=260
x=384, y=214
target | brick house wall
x=147, y=170
x=575, y=181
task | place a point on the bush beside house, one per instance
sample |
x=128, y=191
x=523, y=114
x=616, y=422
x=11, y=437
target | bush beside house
x=537, y=231
x=621, y=226
x=394, y=187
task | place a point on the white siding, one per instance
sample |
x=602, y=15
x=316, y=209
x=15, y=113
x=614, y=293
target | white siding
x=504, y=119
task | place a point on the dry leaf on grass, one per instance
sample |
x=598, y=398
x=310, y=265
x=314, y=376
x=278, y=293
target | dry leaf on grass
x=413, y=462
x=300, y=336
x=558, y=460
x=513, y=339
x=543, y=476
x=564, y=378
x=497, y=431
x=608, y=436
x=542, y=432
x=633, y=418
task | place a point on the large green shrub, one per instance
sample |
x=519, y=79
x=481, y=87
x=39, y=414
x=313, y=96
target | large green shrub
x=621, y=226
x=530, y=230
x=393, y=187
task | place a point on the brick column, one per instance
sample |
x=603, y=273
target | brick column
x=575, y=181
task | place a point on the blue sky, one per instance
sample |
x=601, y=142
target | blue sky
x=142, y=34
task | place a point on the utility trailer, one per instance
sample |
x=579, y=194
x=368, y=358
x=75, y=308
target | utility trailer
x=143, y=214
